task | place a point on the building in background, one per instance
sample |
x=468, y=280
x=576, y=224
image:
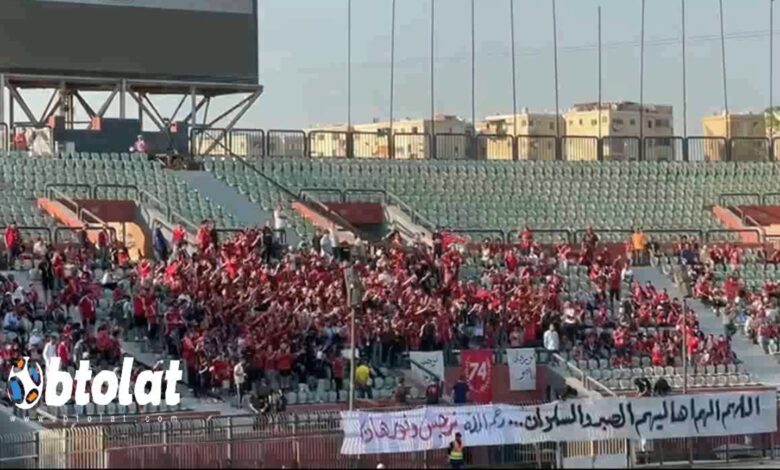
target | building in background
x=247, y=144
x=535, y=136
x=749, y=132
x=411, y=139
x=618, y=123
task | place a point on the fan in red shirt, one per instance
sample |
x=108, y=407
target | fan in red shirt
x=179, y=238
x=203, y=237
x=88, y=309
x=12, y=238
x=221, y=372
x=731, y=287
x=63, y=352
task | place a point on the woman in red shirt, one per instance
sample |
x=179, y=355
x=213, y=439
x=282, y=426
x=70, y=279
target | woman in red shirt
x=284, y=365
x=337, y=371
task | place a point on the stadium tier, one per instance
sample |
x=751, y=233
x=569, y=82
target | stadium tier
x=27, y=178
x=543, y=195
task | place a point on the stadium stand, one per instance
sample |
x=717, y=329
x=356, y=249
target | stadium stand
x=544, y=195
x=29, y=177
x=260, y=191
x=612, y=329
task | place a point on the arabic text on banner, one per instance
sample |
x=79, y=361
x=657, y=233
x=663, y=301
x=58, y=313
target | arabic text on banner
x=522, y=369
x=478, y=369
x=428, y=428
x=432, y=361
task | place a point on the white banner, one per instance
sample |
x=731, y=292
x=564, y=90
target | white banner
x=430, y=428
x=522, y=368
x=432, y=361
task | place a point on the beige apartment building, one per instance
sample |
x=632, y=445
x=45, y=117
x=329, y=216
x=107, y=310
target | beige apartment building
x=618, y=123
x=535, y=135
x=749, y=131
x=411, y=139
x=243, y=144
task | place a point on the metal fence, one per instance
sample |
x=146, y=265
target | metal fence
x=275, y=143
x=313, y=440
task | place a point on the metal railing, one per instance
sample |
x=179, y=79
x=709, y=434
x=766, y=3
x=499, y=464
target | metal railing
x=286, y=143
x=587, y=381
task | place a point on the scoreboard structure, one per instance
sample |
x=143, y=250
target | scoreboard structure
x=130, y=50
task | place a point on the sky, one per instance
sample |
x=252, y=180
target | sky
x=303, y=58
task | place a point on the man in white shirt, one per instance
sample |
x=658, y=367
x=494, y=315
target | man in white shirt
x=239, y=377
x=280, y=220
x=39, y=248
x=49, y=350
x=551, y=339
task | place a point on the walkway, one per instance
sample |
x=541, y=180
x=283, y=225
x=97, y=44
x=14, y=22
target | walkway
x=245, y=212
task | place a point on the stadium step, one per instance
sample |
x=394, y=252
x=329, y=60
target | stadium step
x=245, y=212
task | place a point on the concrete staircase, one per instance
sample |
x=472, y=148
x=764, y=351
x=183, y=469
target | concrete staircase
x=762, y=367
x=245, y=211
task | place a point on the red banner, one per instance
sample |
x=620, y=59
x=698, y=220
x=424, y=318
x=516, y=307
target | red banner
x=478, y=369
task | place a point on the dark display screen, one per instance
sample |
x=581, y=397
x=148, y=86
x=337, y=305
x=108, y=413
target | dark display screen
x=203, y=40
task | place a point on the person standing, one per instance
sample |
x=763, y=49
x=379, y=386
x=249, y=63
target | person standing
x=268, y=244
x=179, y=238
x=280, y=220
x=12, y=239
x=551, y=339
x=103, y=244
x=239, y=377
x=160, y=245
x=456, y=452
x=460, y=391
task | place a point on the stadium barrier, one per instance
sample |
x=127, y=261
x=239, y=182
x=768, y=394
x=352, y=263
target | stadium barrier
x=286, y=143
x=314, y=440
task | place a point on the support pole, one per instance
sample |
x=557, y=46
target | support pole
x=433, y=77
x=601, y=97
x=352, y=358
x=11, y=110
x=686, y=359
x=684, y=76
x=558, y=152
x=723, y=69
x=391, y=153
x=771, y=78
x=123, y=99
x=474, y=63
x=193, y=106
x=642, y=84
x=514, y=69
x=2, y=98
x=350, y=147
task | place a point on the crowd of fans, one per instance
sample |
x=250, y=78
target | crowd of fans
x=248, y=314
x=754, y=311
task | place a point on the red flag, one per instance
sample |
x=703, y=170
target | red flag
x=478, y=369
x=449, y=238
